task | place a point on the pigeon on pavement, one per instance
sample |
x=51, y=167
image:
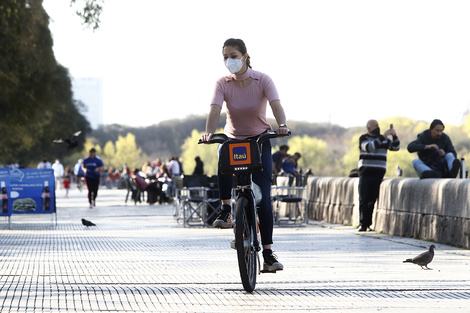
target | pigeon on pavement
x=87, y=223
x=71, y=141
x=424, y=258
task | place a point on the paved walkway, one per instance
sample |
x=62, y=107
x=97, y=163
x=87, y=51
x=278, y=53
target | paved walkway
x=138, y=259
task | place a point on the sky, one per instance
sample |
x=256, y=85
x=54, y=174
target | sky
x=337, y=61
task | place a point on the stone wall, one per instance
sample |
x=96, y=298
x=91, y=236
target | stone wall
x=333, y=200
x=431, y=209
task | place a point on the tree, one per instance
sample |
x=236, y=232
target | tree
x=35, y=91
x=109, y=154
x=207, y=153
x=89, y=11
x=123, y=151
x=327, y=153
x=128, y=153
x=350, y=159
x=403, y=159
x=314, y=154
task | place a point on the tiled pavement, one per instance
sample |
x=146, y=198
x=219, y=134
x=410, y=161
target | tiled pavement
x=138, y=259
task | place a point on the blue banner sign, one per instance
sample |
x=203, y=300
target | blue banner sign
x=31, y=191
x=5, y=188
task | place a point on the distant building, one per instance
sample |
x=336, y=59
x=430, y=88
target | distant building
x=90, y=91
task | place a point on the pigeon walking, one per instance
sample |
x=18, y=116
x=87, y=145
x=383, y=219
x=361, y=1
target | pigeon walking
x=424, y=258
x=87, y=223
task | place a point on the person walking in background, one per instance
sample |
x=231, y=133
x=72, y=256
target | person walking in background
x=437, y=155
x=58, y=173
x=66, y=183
x=92, y=166
x=79, y=174
x=199, y=169
x=44, y=164
x=246, y=94
x=373, y=149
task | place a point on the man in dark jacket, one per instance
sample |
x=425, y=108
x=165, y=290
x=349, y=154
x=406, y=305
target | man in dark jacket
x=437, y=155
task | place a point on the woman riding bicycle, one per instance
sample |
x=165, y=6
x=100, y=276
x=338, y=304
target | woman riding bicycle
x=246, y=93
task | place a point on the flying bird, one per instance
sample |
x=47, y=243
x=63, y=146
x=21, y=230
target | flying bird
x=71, y=141
x=424, y=258
x=87, y=223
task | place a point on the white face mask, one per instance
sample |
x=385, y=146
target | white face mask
x=234, y=65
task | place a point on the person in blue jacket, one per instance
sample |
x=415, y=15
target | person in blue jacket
x=92, y=166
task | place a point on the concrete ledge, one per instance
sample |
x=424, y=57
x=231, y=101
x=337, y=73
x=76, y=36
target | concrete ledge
x=430, y=209
x=333, y=199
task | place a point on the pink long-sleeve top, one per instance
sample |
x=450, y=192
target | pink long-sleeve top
x=246, y=106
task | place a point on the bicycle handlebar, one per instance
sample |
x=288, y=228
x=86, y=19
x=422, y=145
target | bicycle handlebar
x=215, y=138
x=221, y=138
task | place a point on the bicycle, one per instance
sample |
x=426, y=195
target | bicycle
x=242, y=158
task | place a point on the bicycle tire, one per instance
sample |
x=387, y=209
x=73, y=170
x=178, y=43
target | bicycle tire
x=245, y=234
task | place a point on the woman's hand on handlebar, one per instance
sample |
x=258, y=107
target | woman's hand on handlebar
x=283, y=131
x=205, y=137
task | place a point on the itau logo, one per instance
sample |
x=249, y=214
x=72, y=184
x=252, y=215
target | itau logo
x=240, y=154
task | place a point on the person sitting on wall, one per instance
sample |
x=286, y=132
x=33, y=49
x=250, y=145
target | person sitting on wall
x=278, y=156
x=437, y=155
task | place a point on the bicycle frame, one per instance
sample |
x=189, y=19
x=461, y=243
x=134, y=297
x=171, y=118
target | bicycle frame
x=241, y=158
x=244, y=189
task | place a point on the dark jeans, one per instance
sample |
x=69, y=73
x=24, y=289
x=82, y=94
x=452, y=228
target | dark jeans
x=92, y=185
x=264, y=180
x=369, y=187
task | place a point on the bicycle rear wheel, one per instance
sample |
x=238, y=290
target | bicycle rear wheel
x=245, y=235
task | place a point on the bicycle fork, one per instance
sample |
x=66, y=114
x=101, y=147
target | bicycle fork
x=256, y=245
x=257, y=238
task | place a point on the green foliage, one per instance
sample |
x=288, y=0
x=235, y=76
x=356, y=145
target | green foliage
x=191, y=149
x=35, y=92
x=333, y=151
x=89, y=11
x=402, y=159
x=157, y=141
x=109, y=153
x=123, y=151
x=350, y=160
x=466, y=126
x=128, y=153
x=314, y=154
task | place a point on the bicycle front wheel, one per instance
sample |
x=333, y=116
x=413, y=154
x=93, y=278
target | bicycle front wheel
x=245, y=235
